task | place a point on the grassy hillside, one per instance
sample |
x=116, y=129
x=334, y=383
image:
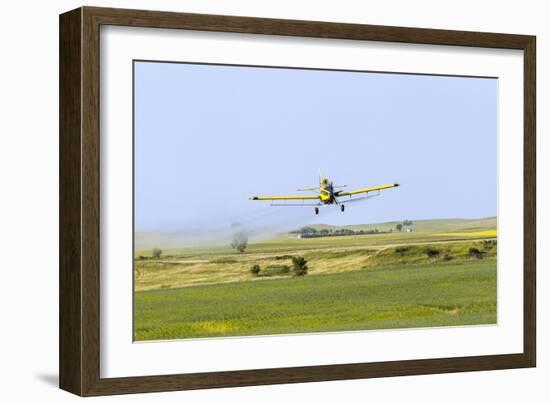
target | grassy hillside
x=431, y=225
x=443, y=273
x=416, y=295
x=324, y=256
x=423, y=231
x=198, y=239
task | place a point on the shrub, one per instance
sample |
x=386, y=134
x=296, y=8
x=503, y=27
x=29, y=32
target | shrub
x=299, y=265
x=488, y=245
x=447, y=257
x=156, y=253
x=432, y=252
x=255, y=270
x=475, y=253
x=402, y=249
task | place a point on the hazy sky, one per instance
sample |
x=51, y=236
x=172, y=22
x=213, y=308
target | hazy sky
x=207, y=137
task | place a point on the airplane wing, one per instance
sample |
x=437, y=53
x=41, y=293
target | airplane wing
x=355, y=199
x=283, y=198
x=366, y=190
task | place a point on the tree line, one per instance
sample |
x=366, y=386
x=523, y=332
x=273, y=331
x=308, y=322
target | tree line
x=310, y=232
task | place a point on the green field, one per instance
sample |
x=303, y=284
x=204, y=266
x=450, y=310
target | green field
x=425, y=278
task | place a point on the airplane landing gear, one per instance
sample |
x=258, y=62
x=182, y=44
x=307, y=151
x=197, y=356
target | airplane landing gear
x=316, y=210
x=342, y=208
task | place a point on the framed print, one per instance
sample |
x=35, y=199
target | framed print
x=248, y=201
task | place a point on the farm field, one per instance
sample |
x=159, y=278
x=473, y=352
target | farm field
x=441, y=274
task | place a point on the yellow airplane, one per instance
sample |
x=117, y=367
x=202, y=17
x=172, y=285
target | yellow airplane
x=326, y=194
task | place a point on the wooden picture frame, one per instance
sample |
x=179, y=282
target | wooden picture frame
x=79, y=348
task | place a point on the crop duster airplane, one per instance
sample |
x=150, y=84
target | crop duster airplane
x=327, y=194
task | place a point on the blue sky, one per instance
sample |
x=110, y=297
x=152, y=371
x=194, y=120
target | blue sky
x=207, y=137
